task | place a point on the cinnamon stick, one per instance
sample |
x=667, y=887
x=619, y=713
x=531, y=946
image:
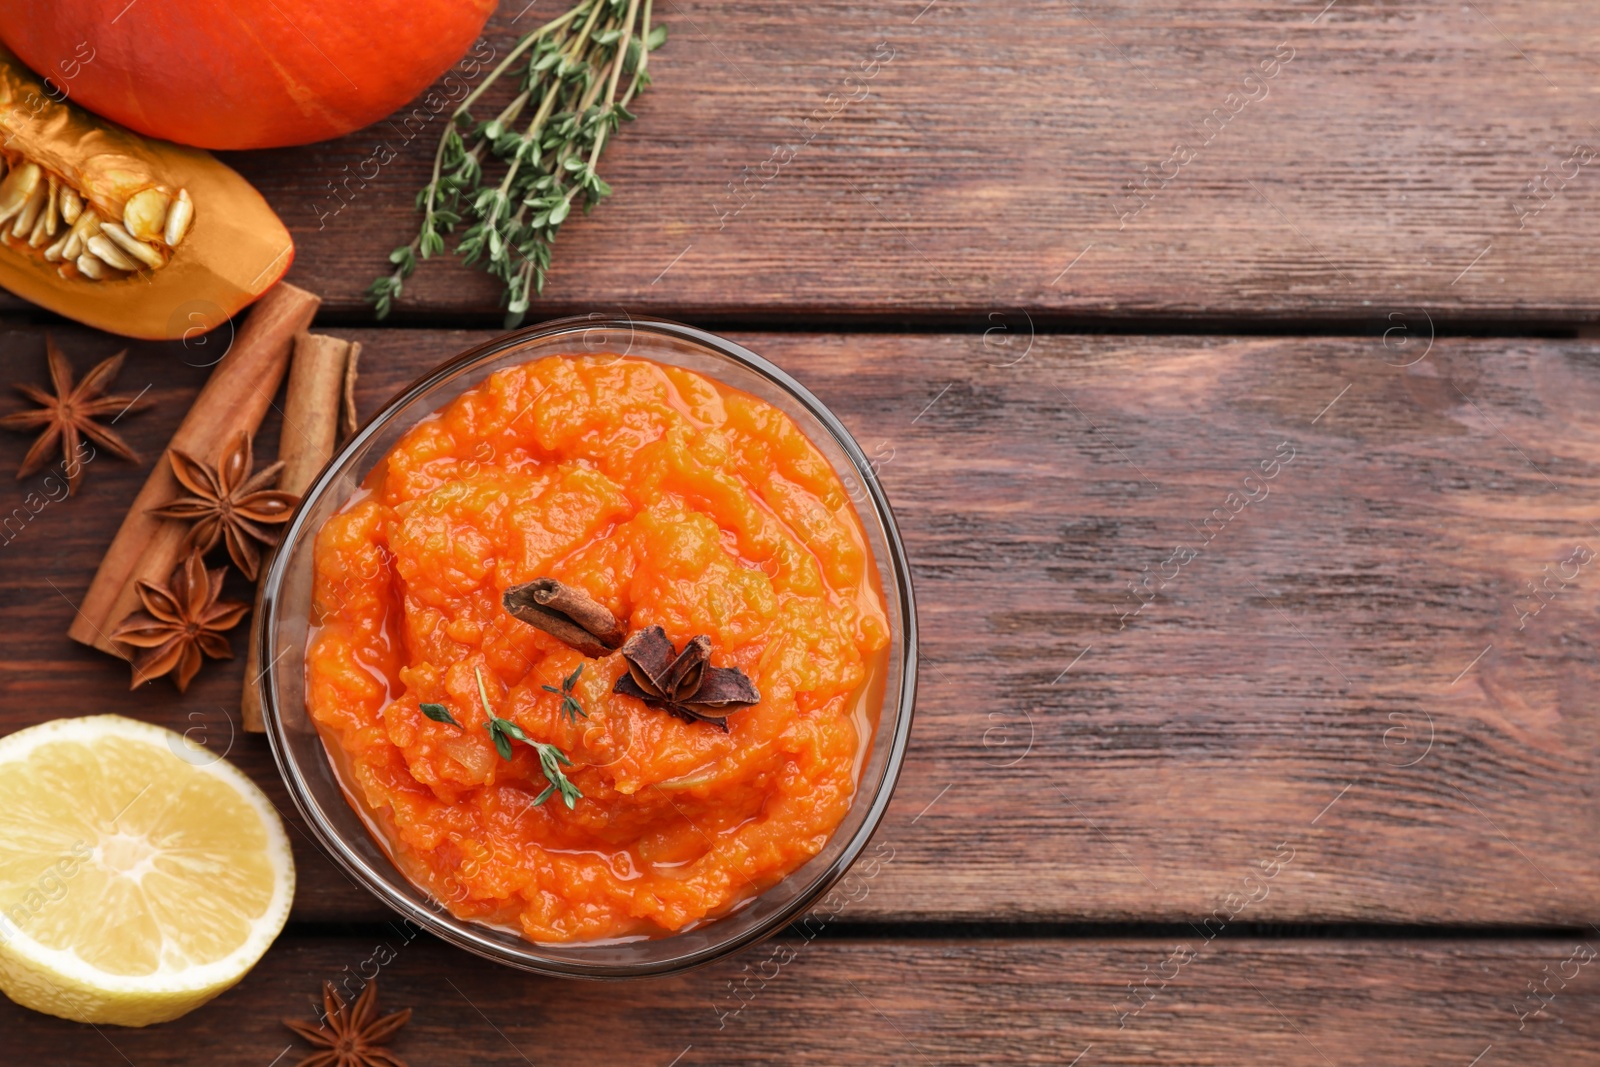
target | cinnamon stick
x=567, y=614
x=235, y=398
x=312, y=411
x=349, y=421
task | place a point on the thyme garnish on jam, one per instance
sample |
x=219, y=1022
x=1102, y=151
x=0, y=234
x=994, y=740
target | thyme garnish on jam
x=439, y=713
x=551, y=758
x=569, y=703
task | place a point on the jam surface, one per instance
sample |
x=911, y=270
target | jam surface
x=674, y=501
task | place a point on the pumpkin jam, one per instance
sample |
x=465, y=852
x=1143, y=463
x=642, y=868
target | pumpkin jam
x=674, y=501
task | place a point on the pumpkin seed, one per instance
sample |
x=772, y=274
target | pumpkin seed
x=101, y=247
x=30, y=210
x=39, y=235
x=92, y=268
x=71, y=204
x=144, y=214
x=87, y=226
x=179, y=216
x=17, y=187
x=133, y=246
x=51, y=215
x=52, y=207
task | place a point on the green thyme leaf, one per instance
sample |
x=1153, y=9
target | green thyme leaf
x=502, y=743
x=551, y=760
x=439, y=713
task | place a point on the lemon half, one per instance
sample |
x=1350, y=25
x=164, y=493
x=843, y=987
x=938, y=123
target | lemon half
x=140, y=874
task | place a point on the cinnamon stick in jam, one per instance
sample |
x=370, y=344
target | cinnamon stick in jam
x=567, y=614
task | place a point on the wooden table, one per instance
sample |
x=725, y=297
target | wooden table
x=1153, y=672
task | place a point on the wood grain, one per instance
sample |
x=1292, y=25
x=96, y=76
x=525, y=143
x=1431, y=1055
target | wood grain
x=1337, y=677
x=826, y=1001
x=1383, y=166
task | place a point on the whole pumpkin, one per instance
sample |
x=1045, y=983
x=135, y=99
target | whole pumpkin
x=241, y=73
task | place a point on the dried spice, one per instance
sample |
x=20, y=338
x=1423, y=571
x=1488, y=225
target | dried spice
x=180, y=621
x=350, y=1036
x=683, y=683
x=229, y=503
x=69, y=415
x=567, y=614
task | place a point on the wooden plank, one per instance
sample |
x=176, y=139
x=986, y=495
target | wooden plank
x=1346, y=684
x=826, y=1001
x=985, y=166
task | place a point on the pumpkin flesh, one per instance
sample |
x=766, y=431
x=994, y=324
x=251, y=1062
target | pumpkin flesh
x=170, y=242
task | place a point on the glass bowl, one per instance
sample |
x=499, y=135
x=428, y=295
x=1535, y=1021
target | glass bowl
x=329, y=807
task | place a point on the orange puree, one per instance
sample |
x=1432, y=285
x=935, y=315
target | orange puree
x=674, y=501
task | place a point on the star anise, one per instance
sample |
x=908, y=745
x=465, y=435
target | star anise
x=349, y=1037
x=683, y=683
x=180, y=620
x=230, y=503
x=69, y=415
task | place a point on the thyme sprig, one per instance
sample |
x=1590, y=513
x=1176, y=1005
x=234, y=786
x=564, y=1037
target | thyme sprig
x=551, y=758
x=572, y=79
x=569, y=703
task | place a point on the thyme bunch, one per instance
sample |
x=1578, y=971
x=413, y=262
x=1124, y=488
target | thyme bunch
x=572, y=79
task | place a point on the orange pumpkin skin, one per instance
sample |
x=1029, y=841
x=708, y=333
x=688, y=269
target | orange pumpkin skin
x=242, y=73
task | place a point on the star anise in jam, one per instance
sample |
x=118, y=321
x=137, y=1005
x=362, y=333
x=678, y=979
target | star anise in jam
x=350, y=1036
x=685, y=683
x=180, y=621
x=68, y=416
x=228, y=503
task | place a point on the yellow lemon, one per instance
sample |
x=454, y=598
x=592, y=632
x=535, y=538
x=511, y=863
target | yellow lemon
x=140, y=874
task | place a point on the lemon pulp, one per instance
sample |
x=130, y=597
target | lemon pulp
x=140, y=875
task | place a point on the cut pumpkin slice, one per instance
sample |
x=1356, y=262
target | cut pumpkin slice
x=121, y=232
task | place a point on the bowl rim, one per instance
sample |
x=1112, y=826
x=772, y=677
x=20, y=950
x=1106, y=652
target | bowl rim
x=461, y=932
